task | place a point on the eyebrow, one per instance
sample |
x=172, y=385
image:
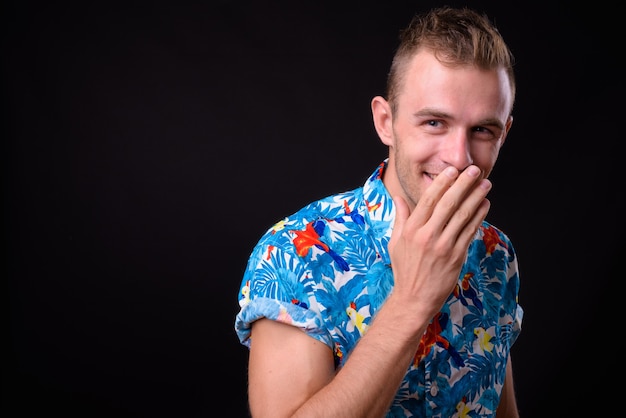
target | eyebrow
x=430, y=111
x=436, y=113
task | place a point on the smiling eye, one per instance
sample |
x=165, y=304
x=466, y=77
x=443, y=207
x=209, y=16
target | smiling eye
x=484, y=134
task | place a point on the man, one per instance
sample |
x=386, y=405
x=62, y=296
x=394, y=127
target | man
x=397, y=298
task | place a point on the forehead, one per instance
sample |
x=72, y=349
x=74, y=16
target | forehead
x=430, y=83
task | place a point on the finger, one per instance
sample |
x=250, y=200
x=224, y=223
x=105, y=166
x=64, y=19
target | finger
x=469, y=231
x=402, y=214
x=465, y=221
x=463, y=193
x=432, y=195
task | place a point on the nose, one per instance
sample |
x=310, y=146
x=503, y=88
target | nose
x=456, y=151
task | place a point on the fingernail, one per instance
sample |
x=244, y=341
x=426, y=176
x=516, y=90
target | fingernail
x=450, y=171
x=472, y=171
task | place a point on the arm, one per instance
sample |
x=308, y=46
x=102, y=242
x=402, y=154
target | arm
x=291, y=374
x=508, y=403
x=286, y=367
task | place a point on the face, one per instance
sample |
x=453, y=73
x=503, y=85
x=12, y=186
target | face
x=444, y=116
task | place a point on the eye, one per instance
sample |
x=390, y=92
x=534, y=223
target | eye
x=482, y=132
x=434, y=123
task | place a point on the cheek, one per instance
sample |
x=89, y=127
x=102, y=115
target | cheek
x=485, y=155
x=414, y=147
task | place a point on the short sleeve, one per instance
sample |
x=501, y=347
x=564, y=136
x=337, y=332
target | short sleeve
x=275, y=285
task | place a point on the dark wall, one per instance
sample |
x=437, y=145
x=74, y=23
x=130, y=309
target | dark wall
x=147, y=148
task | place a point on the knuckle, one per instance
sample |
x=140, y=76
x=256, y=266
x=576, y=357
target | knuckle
x=428, y=201
x=449, y=204
x=464, y=215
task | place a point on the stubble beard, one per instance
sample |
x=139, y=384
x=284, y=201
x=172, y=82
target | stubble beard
x=407, y=179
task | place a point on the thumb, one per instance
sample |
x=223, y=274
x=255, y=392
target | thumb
x=402, y=214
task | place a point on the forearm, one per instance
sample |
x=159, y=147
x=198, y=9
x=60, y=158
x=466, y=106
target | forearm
x=508, y=402
x=369, y=380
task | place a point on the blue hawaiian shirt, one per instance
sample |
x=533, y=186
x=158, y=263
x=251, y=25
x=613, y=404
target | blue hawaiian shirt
x=326, y=270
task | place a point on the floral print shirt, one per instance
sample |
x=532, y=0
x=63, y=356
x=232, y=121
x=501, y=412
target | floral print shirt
x=326, y=270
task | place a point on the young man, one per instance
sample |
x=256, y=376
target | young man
x=397, y=298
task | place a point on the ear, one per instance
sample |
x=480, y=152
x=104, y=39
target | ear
x=381, y=114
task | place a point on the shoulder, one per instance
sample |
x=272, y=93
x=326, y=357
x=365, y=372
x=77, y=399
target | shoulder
x=328, y=208
x=495, y=239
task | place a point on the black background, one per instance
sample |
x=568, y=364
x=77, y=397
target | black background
x=148, y=146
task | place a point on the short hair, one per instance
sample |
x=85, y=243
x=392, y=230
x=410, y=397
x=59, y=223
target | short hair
x=457, y=37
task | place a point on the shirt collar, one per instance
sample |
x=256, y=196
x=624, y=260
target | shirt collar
x=379, y=208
